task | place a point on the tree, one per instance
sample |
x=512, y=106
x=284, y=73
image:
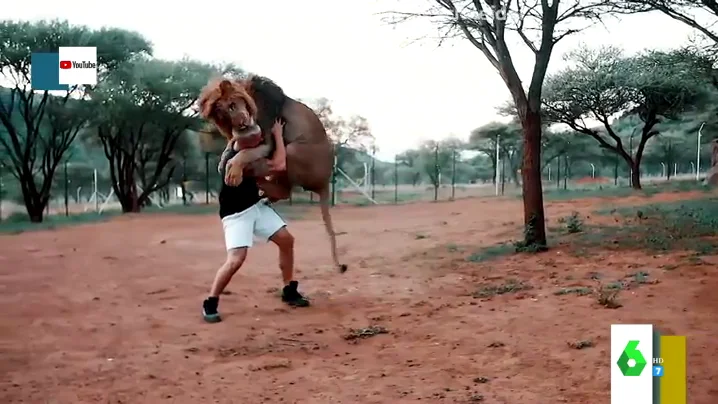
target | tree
x=683, y=11
x=484, y=139
x=668, y=149
x=143, y=109
x=604, y=85
x=435, y=159
x=485, y=25
x=410, y=159
x=348, y=136
x=40, y=127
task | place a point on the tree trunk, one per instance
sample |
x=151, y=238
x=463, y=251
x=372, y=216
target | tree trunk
x=127, y=190
x=495, y=168
x=635, y=175
x=35, y=212
x=35, y=202
x=534, y=222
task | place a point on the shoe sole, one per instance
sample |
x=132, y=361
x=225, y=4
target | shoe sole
x=211, y=318
x=294, y=303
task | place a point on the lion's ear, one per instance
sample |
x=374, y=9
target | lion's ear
x=225, y=86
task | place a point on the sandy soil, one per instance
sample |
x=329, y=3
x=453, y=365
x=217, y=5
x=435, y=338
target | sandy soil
x=110, y=313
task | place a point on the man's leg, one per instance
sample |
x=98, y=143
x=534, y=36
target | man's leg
x=271, y=227
x=235, y=259
x=238, y=238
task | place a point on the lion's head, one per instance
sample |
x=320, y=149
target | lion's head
x=228, y=105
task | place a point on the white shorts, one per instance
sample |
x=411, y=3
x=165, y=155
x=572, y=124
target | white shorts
x=260, y=221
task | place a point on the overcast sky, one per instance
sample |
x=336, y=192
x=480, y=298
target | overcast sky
x=340, y=49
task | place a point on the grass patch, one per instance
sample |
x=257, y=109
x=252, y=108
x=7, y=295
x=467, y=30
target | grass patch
x=660, y=227
x=573, y=223
x=580, y=291
x=19, y=222
x=608, y=297
x=510, y=286
x=613, y=191
x=492, y=252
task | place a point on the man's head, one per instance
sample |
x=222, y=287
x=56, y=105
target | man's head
x=228, y=105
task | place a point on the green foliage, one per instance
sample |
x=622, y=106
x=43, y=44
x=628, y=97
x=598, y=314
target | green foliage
x=40, y=128
x=646, y=90
x=573, y=223
x=20, y=222
x=509, y=286
x=684, y=225
x=143, y=123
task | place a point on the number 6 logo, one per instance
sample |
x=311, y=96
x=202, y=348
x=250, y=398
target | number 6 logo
x=631, y=362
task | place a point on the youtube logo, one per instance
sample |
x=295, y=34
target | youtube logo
x=65, y=64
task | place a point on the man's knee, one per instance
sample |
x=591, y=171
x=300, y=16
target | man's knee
x=235, y=258
x=283, y=239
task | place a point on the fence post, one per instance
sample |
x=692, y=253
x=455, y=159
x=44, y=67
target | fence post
x=565, y=173
x=453, y=174
x=558, y=172
x=503, y=175
x=373, y=171
x=1, y=189
x=206, y=178
x=334, y=175
x=436, y=172
x=67, y=180
x=184, y=180
x=396, y=180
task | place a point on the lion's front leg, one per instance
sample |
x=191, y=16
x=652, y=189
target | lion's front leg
x=236, y=165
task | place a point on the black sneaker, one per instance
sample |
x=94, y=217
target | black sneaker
x=209, y=310
x=292, y=297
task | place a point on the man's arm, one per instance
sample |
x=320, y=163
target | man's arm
x=225, y=155
x=236, y=165
x=279, y=160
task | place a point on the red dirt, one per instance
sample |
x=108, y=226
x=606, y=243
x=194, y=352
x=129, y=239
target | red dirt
x=110, y=313
x=591, y=180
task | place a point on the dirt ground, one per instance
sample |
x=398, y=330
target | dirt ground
x=110, y=313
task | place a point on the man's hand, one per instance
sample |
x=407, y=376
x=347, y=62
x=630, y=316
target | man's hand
x=233, y=172
x=278, y=162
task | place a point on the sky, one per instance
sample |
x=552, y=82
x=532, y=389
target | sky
x=409, y=88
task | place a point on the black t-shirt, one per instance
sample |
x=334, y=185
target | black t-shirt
x=237, y=199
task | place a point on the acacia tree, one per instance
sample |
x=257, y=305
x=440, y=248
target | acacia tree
x=142, y=110
x=39, y=127
x=508, y=136
x=604, y=85
x=540, y=24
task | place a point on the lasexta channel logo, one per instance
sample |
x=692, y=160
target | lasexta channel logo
x=631, y=362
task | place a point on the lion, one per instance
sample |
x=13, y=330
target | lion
x=246, y=112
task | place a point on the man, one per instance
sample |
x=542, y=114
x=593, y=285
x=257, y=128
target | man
x=245, y=214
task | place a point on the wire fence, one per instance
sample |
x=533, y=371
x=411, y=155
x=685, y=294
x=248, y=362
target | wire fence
x=79, y=188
